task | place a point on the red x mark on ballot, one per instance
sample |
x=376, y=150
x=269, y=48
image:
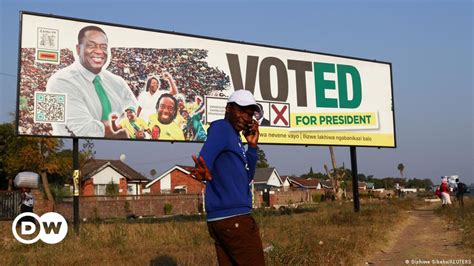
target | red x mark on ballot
x=279, y=114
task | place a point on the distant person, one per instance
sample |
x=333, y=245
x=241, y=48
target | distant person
x=133, y=125
x=193, y=129
x=148, y=98
x=259, y=116
x=460, y=189
x=166, y=111
x=445, y=198
x=228, y=170
x=92, y=93
x=27, y=203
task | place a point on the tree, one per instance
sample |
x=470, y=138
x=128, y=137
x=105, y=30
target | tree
x=28, y=154
x=7, y=144
x=153, y=173
x=87, y=152
x=400, y=168
x=63, y=175
x=111, y=189
x=36, y=155
x=336, y=175
x=312, y=174
x=420, y=183
x=262, y=160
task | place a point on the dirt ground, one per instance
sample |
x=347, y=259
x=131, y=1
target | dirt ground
x=423, y=239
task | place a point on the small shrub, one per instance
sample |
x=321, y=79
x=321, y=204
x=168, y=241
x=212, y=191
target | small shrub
x=317, y=197
x=168, y=209
x=126, y=207
x=96, y=215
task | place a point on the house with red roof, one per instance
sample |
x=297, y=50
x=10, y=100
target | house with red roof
x=300, y=183
x=175, y=180
x=97, y=174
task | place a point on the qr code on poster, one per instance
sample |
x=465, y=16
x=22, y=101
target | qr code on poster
x=50, y=107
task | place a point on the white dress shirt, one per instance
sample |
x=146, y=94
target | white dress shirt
x=29, y=200
x=148, y=103
x=83, y=107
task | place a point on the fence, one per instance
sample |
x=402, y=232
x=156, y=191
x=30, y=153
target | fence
x=103, y=207
x=285, y=197
x=9, y=204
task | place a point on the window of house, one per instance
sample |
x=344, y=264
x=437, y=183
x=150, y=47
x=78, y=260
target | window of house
x=99, y=189
x=165, y=191
x=180, y=189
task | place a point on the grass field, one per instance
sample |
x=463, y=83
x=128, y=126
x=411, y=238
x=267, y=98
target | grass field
x=327, y=233
x=461, y=219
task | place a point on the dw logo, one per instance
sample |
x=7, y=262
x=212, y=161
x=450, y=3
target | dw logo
x=52, y=228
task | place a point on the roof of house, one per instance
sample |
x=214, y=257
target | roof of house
x=181, y=168
x=304, y=182
x=94, y=166
x=284, y=178
x=262, y=175
x=326, y=183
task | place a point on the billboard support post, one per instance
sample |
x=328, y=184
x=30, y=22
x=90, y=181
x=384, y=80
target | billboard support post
x=76, y=182
x=355, y=179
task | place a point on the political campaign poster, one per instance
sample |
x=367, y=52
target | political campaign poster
x=89, y=79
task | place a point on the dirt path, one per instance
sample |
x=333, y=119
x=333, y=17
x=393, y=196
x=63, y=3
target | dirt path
x=423, y=239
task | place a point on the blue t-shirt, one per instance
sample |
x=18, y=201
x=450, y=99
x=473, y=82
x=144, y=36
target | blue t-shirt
x=232, y=169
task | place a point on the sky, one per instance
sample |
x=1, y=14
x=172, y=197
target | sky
x=428, y=43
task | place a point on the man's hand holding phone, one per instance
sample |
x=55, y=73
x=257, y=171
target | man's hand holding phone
x=251, y=134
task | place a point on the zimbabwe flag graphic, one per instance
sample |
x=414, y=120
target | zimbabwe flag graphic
x=47, y=56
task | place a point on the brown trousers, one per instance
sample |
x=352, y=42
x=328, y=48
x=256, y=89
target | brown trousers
x=237, y=241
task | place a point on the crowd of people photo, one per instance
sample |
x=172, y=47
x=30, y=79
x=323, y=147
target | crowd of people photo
x=144, y=93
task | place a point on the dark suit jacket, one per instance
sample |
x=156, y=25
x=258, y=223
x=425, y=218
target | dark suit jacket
x=265, y=122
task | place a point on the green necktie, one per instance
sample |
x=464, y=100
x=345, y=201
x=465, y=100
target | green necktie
x=104, y=100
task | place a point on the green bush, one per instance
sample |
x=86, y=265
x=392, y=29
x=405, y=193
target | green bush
x=318, y=197
x=168, y=208
x=59, y=192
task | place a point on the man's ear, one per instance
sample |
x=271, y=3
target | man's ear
x=78, y=49
x=227, y=108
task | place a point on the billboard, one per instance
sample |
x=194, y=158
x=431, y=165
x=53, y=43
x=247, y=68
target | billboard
x=89, y=79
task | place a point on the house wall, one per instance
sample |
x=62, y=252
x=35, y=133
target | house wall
x=155, y=188
x=177, y=178
x=87, y=188
x=123, y=186
x=165, y=183
x=107, y=175
x=273, y=180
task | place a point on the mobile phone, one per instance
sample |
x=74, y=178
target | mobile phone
x=247, y=130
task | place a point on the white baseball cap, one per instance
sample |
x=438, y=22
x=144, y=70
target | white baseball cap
x=243, y=98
